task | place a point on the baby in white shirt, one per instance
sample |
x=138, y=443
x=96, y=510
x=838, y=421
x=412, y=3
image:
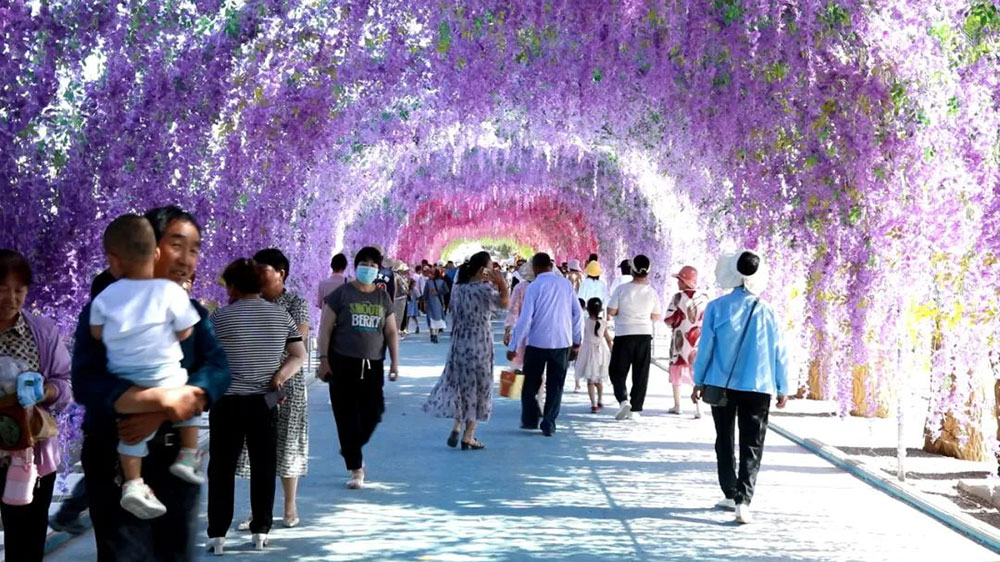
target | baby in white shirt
x=142, y=321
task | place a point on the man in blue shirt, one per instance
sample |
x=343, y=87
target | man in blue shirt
x=550, y=323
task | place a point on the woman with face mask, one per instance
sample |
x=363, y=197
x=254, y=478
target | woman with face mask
x=464, y=392
x=356, y=326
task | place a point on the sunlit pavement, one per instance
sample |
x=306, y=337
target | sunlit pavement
x=598, y=490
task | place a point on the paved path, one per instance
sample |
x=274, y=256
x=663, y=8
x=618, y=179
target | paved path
x=598, y=490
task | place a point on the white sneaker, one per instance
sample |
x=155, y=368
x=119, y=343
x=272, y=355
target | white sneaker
x=726, y=503
x=634, y=416
x=743, y=514
x=357, y=479
x=139, y=500
x=624, y=409
x=186, y=467
x=216, y=545
x=245, y=524
x=259, y=541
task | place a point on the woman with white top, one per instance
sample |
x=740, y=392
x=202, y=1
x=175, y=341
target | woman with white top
x=635, y=306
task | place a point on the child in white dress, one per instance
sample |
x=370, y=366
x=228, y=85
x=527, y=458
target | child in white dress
x=142, y=321
x=595, y=354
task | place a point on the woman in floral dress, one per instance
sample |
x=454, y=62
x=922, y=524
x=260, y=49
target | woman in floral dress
x=464, y=392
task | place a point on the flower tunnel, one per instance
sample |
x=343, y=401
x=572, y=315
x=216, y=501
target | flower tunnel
x=855, y=144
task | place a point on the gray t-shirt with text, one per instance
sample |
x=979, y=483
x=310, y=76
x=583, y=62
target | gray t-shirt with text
x=360, y=320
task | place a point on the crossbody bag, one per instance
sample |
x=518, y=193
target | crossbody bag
x=718, y=396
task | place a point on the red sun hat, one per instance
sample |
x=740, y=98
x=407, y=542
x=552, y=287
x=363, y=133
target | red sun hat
x=688, y=275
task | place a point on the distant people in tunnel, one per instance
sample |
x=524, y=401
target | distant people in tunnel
x=741, y=364
x=550, y=326
x=625, y=275
x=356, y=327
x=337, y=278
x=435, y=291
x=527, y=275
x=464, y=392
x=635, y=307
x=592, y=285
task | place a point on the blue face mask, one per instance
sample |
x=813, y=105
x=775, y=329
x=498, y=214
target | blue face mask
x=367, y=274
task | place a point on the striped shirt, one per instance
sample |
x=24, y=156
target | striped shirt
x=253, y=333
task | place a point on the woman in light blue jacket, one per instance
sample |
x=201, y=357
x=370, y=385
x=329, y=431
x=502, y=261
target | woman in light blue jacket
x=741, y=351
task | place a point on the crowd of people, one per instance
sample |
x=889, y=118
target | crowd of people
x=148, y=360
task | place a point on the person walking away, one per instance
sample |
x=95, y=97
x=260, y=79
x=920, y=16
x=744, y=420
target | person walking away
x=413, y=304
x=684, y=316
x=635, y=308
x=550, y=325
x=115, y=409
x=141, y=321
x=434, y=295
x=33, y=344
x=356, y=326
x=575, y=274
x=595, y=354
x=337, y=264
x=464, y=392
x=514, y=312
x=741, y=351
x=592, y=286
x=625, y=267
x=402, y=293
x=265, y=350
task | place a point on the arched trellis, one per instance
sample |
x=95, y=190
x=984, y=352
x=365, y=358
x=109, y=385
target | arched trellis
x=828, y=133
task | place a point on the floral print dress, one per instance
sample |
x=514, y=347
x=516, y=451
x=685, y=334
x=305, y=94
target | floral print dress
x=465, y=389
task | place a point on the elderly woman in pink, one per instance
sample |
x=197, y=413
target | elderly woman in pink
x=514, y=311
x=32, y=341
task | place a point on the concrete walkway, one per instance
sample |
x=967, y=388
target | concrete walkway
x=597, y=490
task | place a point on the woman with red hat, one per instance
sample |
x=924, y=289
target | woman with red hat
x=685, y=314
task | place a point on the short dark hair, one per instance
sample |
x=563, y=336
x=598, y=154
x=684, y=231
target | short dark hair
x=748, y=263
x=640, y=266
x=591, y=257
x=541, y=260
x=339, y=262
x=13, y=263
x=368, y=253
x=625, y=267
x=131, y=238
x=161, y=218
x=243, y=275
x=274, y=258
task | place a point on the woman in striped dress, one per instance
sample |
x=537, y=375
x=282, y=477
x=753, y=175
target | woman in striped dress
x=293, y=419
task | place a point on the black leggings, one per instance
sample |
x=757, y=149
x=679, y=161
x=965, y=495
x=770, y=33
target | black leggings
x=25, y=526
